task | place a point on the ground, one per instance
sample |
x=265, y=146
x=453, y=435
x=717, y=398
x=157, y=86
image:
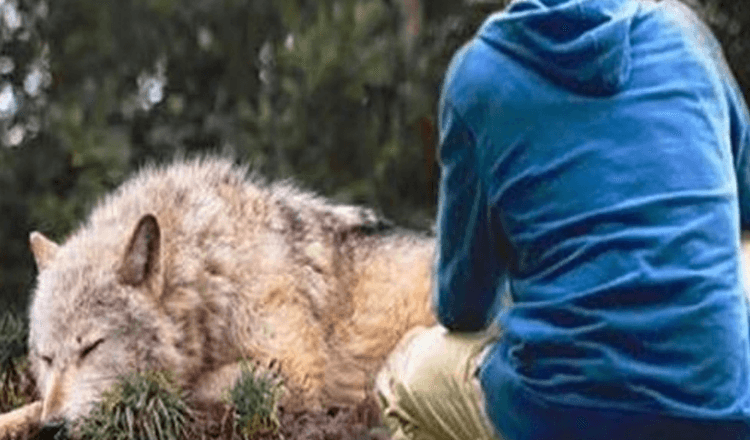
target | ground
x=358, y=422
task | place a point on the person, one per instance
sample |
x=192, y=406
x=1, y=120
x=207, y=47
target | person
x=594, y=158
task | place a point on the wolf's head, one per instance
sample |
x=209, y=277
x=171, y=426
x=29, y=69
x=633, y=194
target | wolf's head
x=91, y=319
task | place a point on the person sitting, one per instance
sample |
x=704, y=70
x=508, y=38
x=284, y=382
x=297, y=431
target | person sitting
x=595, y=180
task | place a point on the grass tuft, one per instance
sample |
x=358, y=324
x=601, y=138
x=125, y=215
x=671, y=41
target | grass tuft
x=13, y=337
x=255, y=397
x=142, y=406
x=16, y=385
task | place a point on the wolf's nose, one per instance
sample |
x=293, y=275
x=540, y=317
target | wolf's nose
x=53, y=430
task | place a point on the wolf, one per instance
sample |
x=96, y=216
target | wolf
x=196, y=266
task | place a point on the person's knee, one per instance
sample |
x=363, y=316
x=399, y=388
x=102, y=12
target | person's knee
x=402, y=359
x=425, y=355
x=428, y=382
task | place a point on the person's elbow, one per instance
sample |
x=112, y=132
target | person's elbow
x=466, y=320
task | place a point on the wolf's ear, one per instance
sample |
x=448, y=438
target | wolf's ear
x=43, y=248
x=141, y=259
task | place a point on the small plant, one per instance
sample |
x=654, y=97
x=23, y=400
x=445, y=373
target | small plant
x=16, y=385
x=255, y=397
x=13, y=336
x=140, y=406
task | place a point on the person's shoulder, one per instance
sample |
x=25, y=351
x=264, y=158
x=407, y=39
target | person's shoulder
x=473, y=72
x=690, y=24
x=700, y=43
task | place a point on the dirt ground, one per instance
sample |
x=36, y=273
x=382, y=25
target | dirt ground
x=358, y=422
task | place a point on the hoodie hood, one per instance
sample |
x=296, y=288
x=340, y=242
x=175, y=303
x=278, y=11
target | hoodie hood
x=583, y=45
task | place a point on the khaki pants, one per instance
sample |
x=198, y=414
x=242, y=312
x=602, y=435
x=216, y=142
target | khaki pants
x=429, y=389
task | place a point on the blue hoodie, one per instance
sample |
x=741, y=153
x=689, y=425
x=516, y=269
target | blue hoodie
x=594, y=164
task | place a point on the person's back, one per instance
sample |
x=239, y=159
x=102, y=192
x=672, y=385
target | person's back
x=595, y=157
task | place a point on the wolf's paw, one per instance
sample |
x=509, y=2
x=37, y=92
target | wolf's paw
x=21, y=422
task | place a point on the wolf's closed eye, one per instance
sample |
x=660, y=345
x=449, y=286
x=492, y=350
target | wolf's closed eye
x=85, y=352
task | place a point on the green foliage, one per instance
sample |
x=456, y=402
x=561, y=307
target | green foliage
x=15, y=381
x=128, y=82
x=255, y=398
x=339, y=95
x=16, y=386
x=347, y=101
x=140, y=406
x=13, y=335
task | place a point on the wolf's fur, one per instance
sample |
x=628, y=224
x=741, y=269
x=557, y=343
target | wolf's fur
x=193, y=266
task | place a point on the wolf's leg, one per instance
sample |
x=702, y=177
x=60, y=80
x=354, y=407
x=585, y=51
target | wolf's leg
x=21, y=422
x=296, y=392
x=215, y=385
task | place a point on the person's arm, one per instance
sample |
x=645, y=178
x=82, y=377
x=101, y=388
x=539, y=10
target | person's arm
x=740, y=137
x=703, y=38
x=468, y=272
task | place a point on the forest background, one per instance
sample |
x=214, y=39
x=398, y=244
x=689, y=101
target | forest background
x=339, y=95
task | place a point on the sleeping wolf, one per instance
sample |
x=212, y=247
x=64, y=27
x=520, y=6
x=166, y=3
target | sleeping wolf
x=194, y=266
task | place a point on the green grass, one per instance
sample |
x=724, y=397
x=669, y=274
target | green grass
x=148, y=406
x=255, y=397
x=15, y=381
x=145, y=406
x=13, y=337
x=16, y=387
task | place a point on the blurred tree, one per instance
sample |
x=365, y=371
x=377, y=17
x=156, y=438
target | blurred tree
x=338, y=94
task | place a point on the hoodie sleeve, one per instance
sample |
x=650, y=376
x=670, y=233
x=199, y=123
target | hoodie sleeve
x=467, y=272
x=740, y=137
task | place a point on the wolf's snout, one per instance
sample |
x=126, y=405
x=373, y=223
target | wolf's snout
x=53, y=399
